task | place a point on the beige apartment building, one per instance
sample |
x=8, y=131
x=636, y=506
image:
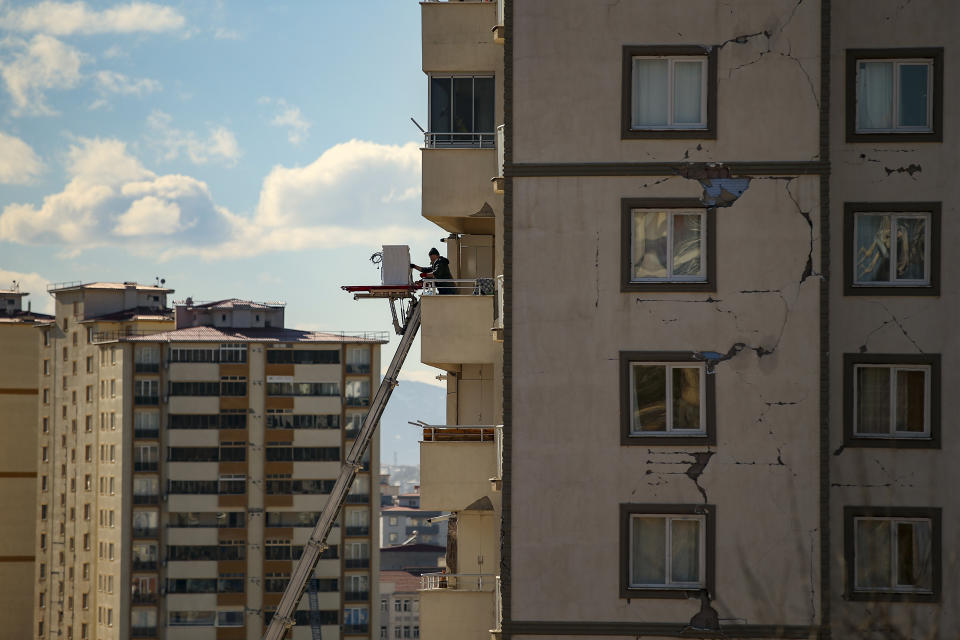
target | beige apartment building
x=19, y=366
x=725, y=317
x=184, y=458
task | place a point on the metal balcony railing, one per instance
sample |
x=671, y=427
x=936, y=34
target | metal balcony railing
x=143, y=632
x=145, y=532
x=355, y=628
x=459, y=432
x=356, y=596
x=357, y=563
x=458, y=581
x=358, y=498
x=146, y=432
x=144, y=565
x=146, y=367
x=444, y=140
x=145, y=465
x=358, y=530
x=143, y=598
x=472, y=287
x=146, y=400
x=146, y=499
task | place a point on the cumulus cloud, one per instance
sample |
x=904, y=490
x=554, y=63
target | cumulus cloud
x=115, y=83
x=34, y=66
x=340, y=199
x=19, y=163
x=32, y=283
x=220, y=145
x=68, y=18
x=290, y=117
x=111, y=197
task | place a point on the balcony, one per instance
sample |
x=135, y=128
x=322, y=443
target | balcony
x=145, y=532
x=456, y=328
x=358, y=530
x=149, y=433
x=457, y=36
x=358, y=368
x=355, y=628
x=457, y=464
x=143, y=598
x=146, y=499
x=456, y=182
x=356, y=596
x=461, y=606
x=145, y=465
x=358, y=498
x=146, y=367
x=146, y=400
x=144, y=565
x=143, y=632
x=357, y=563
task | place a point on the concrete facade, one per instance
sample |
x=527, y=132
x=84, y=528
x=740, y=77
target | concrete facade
x=201, y=455
x=777, y=482
x=20, y=358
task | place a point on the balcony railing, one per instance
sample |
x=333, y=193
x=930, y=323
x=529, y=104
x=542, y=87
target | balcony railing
x=145, y=465
x=356, y=596
x=355, y=628
x=145, y=532
x=146, y=367
x=356, y=530
x=144, y=565
x=357, y=563
x=358, y=368
x=460, y=140
x=146, y=400
x=498, y=310
x=146, y=499
x=459, y=433
x=458, y=581
x=148, y=432
x=357, y=401
x=358, y=498
x=143, y=632
x=143, y=598
x=472, y=287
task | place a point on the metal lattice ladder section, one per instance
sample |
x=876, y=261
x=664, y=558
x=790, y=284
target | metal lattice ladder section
x=283, y=618
x=315, y=631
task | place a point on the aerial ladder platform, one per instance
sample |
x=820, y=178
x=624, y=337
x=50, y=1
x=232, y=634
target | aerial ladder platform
x=283, y=618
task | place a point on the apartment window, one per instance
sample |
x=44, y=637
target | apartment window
x=86, y=542
x=669, y=92
x=667, y=245
x=89, y=362
x=46, y=338
x=86, y=507
x=64, y=354
x=665, y=398
x=46, y=367
x=87, y=482
x=113, y=421
x=88, y=424
x=461, y=111
x=64, y=383
x=46, y=421
x=43, y=512
x=88, y=453
x=892, y=553
x=894, y=95
x=113, y=388
x=89, y=335
x=89, y=390
x=892, y=248
x=666, y=550
x=891, y=400
x=113, y=355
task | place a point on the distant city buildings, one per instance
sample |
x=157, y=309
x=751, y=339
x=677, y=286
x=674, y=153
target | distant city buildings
x=404, y=522
x=183, y=460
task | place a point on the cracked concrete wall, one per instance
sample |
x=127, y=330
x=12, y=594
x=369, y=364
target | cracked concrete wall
x=571, y=321
x=891, y=172
x=768, y=77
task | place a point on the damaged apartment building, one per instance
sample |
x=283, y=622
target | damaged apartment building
x=716, y=229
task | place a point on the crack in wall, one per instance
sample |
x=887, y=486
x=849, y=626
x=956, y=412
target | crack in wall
x=894, y=320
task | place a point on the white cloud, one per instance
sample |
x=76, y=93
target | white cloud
x=338, y=200
x=68, y=18
x=111, y=196
x=219, y=145
x=32, y=283
x=114, y=52
x=114, y=82
x=290, y=117
x=222, y=33
x=149, y=215
x=35, y=66
x=19, y=163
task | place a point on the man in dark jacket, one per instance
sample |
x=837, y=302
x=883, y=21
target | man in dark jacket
x=439, y=270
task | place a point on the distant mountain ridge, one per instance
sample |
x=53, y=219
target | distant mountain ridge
x=410, y=401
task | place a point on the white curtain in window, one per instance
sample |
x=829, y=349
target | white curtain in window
x=650, y=92
x=875, y=95
x=687, y=92
x=873, y=554
x=649, y=551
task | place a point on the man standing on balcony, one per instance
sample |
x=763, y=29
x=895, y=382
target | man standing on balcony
x=439, y=270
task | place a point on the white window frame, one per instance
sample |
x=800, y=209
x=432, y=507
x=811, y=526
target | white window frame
x=668, y=583
x=894, y=368
x=670, y=431
x=894, y=548
x=892, y=280
x=671, y=62
x=895, y=113
x=670, y=213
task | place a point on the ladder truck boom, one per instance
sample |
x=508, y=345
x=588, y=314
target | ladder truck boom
x=283, y=619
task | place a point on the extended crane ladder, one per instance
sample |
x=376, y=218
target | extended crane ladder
x=283, y=618
x=316, y=633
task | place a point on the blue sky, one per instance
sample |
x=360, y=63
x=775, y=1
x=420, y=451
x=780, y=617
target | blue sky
x=248, y=149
